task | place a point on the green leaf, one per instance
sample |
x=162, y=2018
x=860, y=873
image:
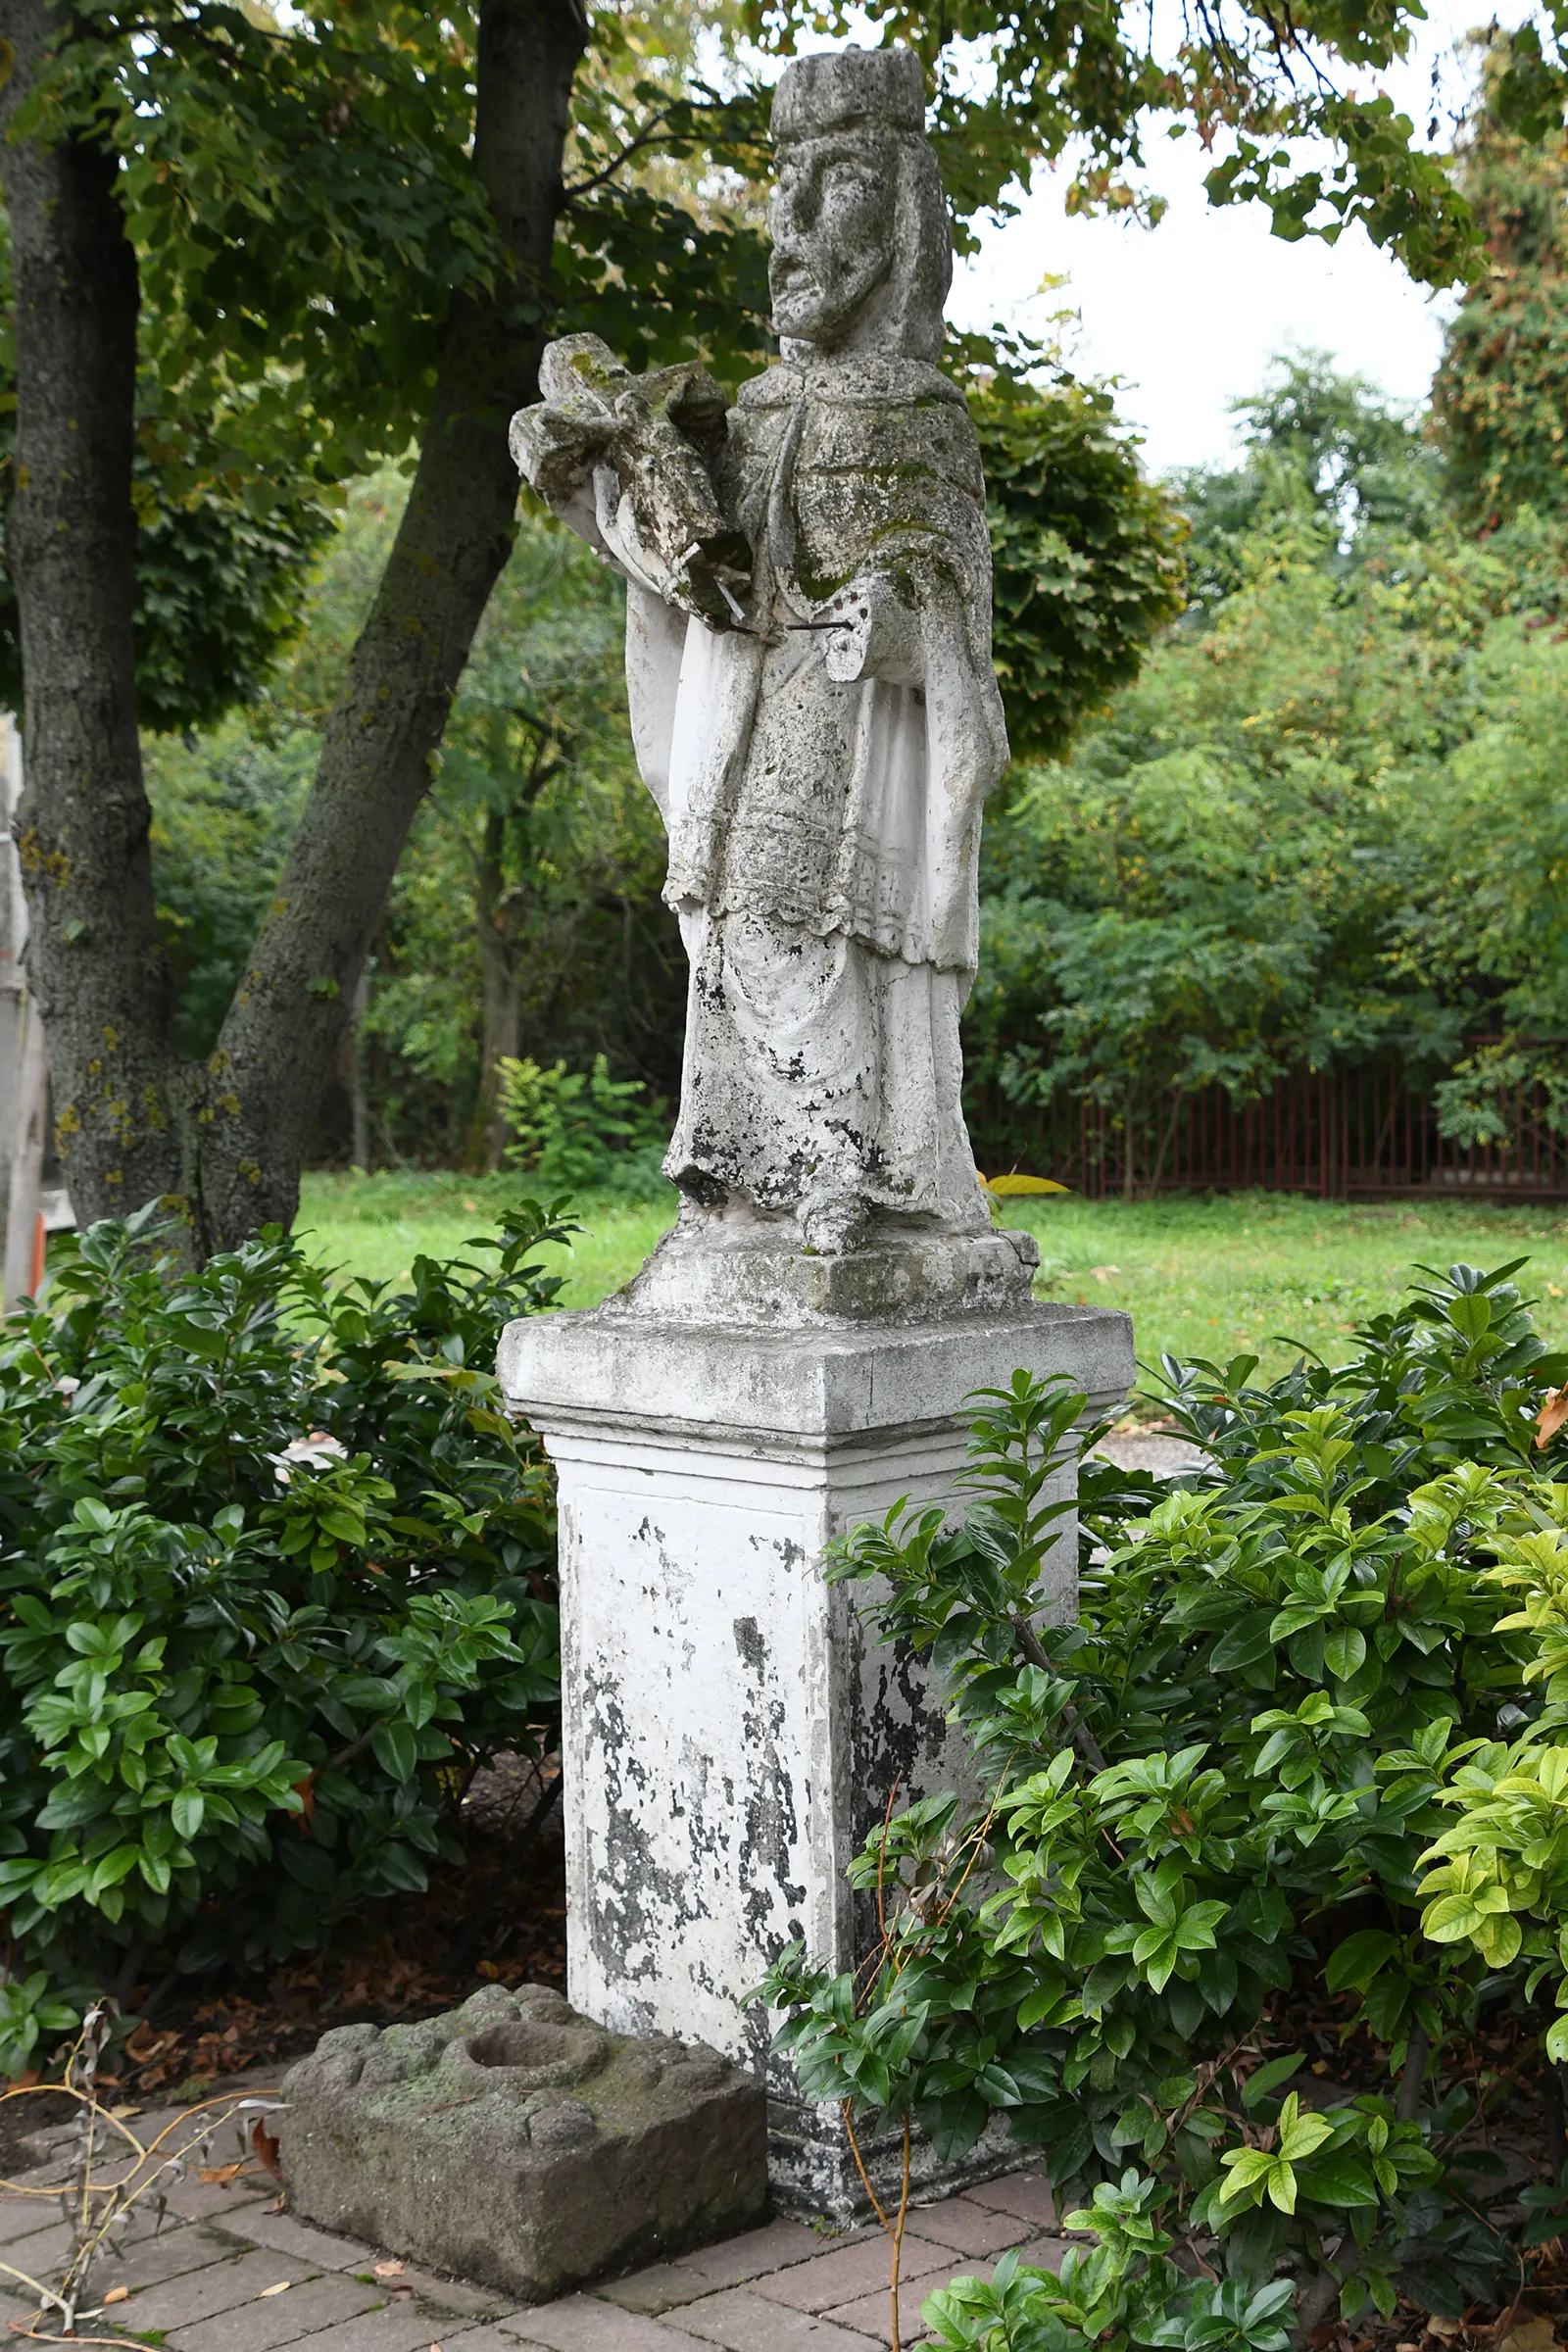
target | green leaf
x=187, y=1810
x=1344, y=1651
x=396, y=1749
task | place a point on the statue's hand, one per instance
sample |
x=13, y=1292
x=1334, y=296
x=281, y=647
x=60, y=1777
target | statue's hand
x=873, y=632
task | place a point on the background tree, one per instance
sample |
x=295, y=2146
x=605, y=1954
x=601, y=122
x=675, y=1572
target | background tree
x=310, y=237
x=1321, y=826
x=1500, y=398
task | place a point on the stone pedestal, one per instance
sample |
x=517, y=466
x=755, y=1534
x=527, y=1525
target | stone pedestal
x=731, y=1733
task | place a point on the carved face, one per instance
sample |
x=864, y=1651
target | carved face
x=832, y=222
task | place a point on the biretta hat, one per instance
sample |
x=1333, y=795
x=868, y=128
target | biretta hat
x=840, y=89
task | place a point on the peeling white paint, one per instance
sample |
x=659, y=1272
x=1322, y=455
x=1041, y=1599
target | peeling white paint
x=729, y=1735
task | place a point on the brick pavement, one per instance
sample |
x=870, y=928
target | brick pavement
x=227, y=2274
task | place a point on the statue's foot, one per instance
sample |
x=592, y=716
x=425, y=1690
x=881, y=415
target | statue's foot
x=834, y=1224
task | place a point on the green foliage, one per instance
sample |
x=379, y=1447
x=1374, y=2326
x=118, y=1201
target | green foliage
x=221, y=817
x=276, y=1576
x=1034, y=82
x=578, y=1128
x=1498, y=394
x=1122, y=2289
x=1322, y=825
x=525, y=916
x=30, y=2009
x=1231, y=1777
x=1321, y=446
x=302, y=204
x=1087, y=555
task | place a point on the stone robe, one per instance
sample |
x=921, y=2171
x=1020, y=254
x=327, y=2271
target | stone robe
x=824, y=836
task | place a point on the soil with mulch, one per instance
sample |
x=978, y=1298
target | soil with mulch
x=501, y=1918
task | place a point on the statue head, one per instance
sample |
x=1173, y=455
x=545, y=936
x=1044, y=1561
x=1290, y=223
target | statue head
x=863, y=249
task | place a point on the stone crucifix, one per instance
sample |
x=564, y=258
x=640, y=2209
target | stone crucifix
x=815, y=710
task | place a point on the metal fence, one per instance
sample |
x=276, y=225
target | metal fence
x=1340, y=1134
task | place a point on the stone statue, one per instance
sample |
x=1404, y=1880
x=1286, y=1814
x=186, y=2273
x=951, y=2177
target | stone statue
x=814, y=709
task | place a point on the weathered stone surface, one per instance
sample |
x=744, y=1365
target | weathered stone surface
x=815, y=711
x=514, y=2142
x=731, y=1734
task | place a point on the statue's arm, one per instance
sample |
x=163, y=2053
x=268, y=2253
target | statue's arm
x=875, y=629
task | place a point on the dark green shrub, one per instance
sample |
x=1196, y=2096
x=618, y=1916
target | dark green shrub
x=1219, y=1791
x=277, y=1574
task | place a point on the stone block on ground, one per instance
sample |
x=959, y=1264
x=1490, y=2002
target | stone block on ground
x=514, y=2143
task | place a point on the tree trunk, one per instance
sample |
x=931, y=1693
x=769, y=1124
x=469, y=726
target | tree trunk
x=95, y=966
x=361, y=1093
x=498, y=966
x=228, y=1138
x=278, y=1041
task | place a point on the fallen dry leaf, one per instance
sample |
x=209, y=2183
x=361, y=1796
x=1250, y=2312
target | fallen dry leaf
x=263, y=2145
x=281, y=2288
x=389, y=2269
x=221, y=2173
x=1530, y=2336
x=1553, y=1413
x=117, y=2294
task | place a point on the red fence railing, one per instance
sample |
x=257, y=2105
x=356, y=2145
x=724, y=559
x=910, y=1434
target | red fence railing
x=1344, y=1134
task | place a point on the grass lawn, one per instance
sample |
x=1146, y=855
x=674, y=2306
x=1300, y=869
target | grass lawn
x=1209, y=1276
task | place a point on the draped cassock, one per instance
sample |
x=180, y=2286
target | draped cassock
x=824, y=837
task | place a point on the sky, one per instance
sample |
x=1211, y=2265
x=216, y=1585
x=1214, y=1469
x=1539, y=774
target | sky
x=1189, y=314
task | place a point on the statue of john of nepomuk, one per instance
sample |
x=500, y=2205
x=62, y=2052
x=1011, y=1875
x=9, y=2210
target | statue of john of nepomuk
x=812, y=699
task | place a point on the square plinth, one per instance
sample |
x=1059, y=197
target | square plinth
x=732, y=1727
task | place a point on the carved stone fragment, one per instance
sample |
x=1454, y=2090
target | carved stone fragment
x=514, y=2143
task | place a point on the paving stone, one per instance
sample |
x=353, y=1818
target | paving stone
x=584, y=2323
x=871, y=2316
x=491, y=2339
x=264, y=2325
x=734, y=2260
x=210, y=2200
x=743, y=2321
x=1027, y=2194
x=218, y=2286
x=664, y=2287
x=966, y=2228
x=25, y=2217
x=42, y=2255
x=854, y=2270
x=394, y=2327
x=1044, y=2253
x=323, y=2249
x=454, y=2298
x=150, y=2260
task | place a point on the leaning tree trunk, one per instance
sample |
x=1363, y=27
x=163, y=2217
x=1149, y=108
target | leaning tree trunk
x=228, y=1138
x=94, y=962
x=498, y=966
